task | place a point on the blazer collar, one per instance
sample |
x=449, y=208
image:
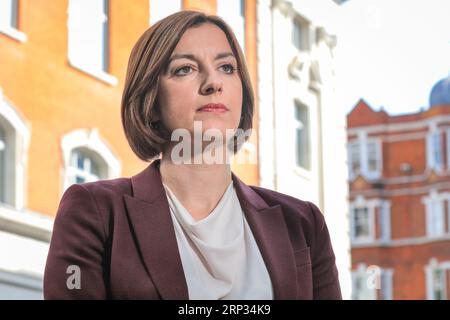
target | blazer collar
x=149, y=213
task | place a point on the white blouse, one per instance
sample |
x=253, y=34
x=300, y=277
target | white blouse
x=219, y=254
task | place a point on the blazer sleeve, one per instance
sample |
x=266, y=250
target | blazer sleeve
x=325, y=274
x=74, y=267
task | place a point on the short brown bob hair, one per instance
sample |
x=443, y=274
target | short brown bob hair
x=148, y=60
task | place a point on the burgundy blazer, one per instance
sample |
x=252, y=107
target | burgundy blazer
x=120, y=234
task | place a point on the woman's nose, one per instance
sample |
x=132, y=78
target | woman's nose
x=211, y=86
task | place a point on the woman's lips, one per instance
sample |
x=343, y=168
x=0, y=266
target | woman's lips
x=213, y=107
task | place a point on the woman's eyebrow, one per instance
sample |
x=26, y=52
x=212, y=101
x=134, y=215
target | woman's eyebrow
x=193, y=58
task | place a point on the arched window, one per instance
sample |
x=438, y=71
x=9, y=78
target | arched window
x=87, y=158
x=14, y=142
x=86, y=166
x=2, y=165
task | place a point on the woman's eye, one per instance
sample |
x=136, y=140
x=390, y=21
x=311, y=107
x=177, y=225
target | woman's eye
x=228, y=68
x=183, y=71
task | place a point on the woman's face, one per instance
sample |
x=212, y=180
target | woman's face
x=202, y=70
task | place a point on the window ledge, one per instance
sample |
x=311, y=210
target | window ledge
x=15, y=34
x=101, y=75
x=362, y=241
x=370, y=176
x=398, y=242
x=27, y=223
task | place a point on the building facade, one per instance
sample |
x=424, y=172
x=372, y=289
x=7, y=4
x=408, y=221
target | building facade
x=400, y=199
x=302, y=130
x=62, y=70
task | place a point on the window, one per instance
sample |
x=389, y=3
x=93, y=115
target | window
x=372, y=156
x=297, y=35
x=300, y=33
x=233, y=12
x=358, y=286
x=302, y=136
x=372, y=282
x=434, y=210
x=435, y=218
x=437, y=275
x=9, y=11
x=87, y=158
x=369, y=220
x=89, y=37
x=386, y=289
x=361, y=223
x=362, y=283
x=365, y=157
x=436, y=142
x=438, y=283
x=14, y=141
x=434, y=150
x=385, y=221
x=2, y=165
x=8, y=14
x=355, y=158
x=85, y=166
x=160, y=9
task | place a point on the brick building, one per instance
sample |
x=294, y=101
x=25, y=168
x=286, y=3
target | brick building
x=399, y=185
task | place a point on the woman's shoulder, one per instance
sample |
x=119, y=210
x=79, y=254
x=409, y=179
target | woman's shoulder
x=273, y=198
x=292, y=206
x=117, y=186
x=101, y=191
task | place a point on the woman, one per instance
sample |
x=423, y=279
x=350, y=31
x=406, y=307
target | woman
x=181, y=230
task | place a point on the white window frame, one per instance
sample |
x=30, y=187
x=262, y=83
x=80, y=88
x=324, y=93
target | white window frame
x=385, y=221
x=301, y=28
x=18, y=133
x=361, y=274
x=384, y=218
x=160, y=9
x=297, y=125
x=226, y=10
x=437, y=201
x=448, y=215
x=431, y=135
x=89, y=139
x=350, y=145
x=6, y=7
x=363, y=141
x=386, y=282
x=73, y=171
x=374, y=173
x=359, y=204
x=429, y=270
x=79, y=61
x=447, y=135
x=370, y=227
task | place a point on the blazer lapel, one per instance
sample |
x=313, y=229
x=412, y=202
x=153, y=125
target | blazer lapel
x=150, y=217
x=271, y=234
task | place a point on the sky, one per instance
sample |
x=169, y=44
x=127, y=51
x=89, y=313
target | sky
x=392, y=52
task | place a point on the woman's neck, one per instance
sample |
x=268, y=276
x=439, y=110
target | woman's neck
x=199, y=187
